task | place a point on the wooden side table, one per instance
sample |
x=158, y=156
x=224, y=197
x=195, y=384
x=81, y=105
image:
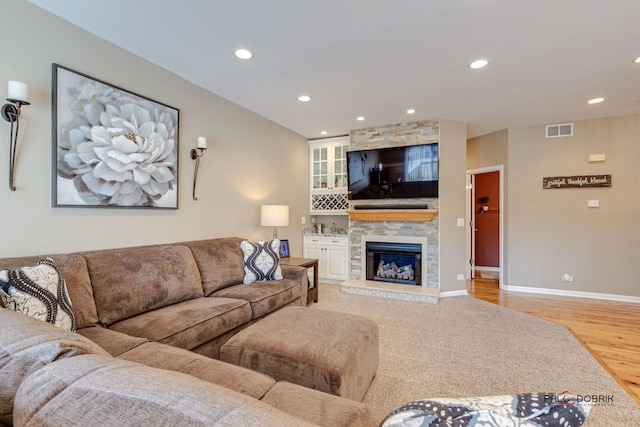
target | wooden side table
x=312, y=291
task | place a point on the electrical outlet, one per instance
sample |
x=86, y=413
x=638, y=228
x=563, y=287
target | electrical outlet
x=566, y=277
x=460, y=276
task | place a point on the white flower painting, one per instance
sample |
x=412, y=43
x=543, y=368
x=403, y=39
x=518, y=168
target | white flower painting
x=112, y=148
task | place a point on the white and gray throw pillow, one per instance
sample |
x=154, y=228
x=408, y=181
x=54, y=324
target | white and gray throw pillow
x=526, y=409
x=261, y=261
x=39, y=291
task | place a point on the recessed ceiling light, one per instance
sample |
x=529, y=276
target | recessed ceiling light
x=243, y=53
x=304, y=98
x=478, y=63
x=360, y=118
x=595, y=101
x=411, y=111
x=637, y=60
x=324, y=132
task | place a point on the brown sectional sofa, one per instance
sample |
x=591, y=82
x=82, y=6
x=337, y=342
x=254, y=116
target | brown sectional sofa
x=188, y=295
x=159, y=315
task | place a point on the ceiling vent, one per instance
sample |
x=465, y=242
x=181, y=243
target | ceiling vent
x=556, y=131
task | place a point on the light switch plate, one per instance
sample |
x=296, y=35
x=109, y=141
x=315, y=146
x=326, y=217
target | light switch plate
x=460, y=222
x=597, y=157
x=593, y=203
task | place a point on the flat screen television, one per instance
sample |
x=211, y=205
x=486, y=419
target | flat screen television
x=393, y=172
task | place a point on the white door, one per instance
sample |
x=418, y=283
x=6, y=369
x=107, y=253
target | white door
x=472, y=218
x=335, y=263
x=316, y=252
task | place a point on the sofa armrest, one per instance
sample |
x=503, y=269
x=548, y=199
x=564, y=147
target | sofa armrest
x=299, y=275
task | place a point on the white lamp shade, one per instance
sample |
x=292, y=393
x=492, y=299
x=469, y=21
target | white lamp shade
x=18, y=91
x=274, y=215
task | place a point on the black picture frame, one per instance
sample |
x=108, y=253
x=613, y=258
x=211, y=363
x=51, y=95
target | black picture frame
x=111, y=147
x=284, y=248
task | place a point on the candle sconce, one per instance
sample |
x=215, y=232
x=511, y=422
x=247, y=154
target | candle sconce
x=196, y=154
x=18, y=93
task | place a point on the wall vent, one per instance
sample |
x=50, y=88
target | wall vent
x=557, y=131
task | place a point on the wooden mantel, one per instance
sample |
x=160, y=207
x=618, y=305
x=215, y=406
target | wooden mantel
x=401, y=215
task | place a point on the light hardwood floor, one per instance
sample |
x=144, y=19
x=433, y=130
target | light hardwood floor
x=609, y=330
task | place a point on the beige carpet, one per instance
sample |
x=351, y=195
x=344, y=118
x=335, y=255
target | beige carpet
x=465, y=347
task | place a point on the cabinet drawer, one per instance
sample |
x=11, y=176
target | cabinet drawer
x=325, y=240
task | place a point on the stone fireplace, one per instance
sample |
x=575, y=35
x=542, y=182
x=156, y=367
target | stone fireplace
x=393, y=260
x=409, y=226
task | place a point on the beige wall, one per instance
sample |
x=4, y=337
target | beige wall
x=552, y=232
x=452, y=204
x=488, y=151
x=250, y=160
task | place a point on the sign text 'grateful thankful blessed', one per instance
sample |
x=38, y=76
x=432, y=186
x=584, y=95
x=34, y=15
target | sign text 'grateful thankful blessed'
x=579, y=181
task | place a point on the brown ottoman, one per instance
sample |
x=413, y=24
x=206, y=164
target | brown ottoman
x=321, y=349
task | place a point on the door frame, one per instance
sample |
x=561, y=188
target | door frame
x=471, y=219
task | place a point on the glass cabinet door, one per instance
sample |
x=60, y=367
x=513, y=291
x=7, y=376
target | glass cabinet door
x=320, y=168
x=340, y=166
x=328, y=175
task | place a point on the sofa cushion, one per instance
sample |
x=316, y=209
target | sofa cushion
x=28, y=344
x=264, y=297
x=188, y=324
x=261, y=261
x=220, y=262
x=96, y=391
x=322, y=408
x=76, y=276
x=130, y=281
x=233, y=377
x=38, y=291
x=113, y=342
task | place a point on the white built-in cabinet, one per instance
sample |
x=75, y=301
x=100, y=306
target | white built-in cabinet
x=328, y=170
x=332, y=253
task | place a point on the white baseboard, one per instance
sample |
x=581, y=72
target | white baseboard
x=575, y=294
x=453, y=293
x=486, y=268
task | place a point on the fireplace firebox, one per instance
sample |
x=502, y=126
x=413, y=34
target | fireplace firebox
x=394, y=262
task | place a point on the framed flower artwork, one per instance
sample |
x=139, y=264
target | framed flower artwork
x=111, y=147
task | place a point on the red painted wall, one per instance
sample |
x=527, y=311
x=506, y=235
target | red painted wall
x=487, y=222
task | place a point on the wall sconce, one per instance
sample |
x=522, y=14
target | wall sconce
x=483, y=201
x=18, y=94
x=196, y=153
x=274, y=216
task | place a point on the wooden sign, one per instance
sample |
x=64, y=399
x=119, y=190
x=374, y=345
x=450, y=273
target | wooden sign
x=579, y=181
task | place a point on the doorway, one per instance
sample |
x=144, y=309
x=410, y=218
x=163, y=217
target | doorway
x=485, y=219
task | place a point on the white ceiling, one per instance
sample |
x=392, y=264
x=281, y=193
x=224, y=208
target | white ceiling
x=377, y=58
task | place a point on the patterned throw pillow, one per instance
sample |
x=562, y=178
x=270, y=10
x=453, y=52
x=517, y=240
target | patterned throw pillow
x=527, y=409
x=261, y=261
x=39, y=292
